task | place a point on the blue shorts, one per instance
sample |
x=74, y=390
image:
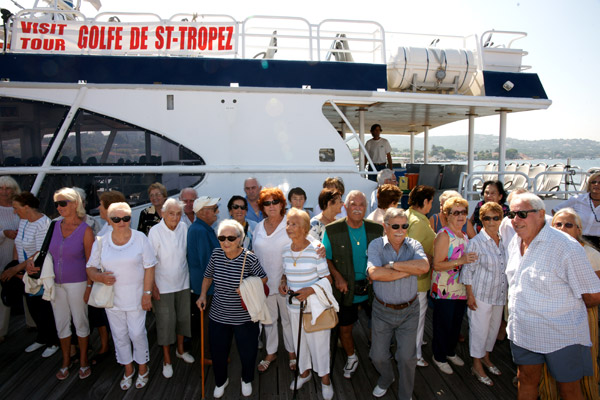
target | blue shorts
x=568, y=364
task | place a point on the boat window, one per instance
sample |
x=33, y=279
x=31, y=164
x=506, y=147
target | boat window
x=27, y=129
x=327, y=155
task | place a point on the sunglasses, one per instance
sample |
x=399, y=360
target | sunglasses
x=230, y=238
x=594, y=182
x=567, y=225
x=488, y=218
x=268, y=203
x=237, y=206
x=457, y=213
x=116, y=220
x=521, y=214
x=61, y=203
x=398, y=226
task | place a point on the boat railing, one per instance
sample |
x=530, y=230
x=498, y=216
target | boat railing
x=501, y=56
x=344, y=38
x=290, y=37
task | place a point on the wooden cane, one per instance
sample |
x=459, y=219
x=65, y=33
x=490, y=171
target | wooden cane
x=202, y=348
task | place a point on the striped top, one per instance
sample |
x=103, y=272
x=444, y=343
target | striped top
x=31, y=237
x=8, y=221
x=226, y=307
x=307, y=271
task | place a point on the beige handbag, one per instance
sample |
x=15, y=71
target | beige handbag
x=327, y=320
x=101, y=295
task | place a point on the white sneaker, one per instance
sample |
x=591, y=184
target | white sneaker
x=187, y=357
x=379, y=392
x=167, y=370
x=220, y=390
x=246, y=389
x=350, y=367
x=422, y=363
x=301, y=381
x=33, y=347
x=456, y=360
x=327, y=391
x=49, y=351
x=444, y=367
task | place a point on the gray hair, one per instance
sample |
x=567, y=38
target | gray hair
x=447, y=194
x=576, y=217
x=533, y=200
x=171, y=202
x=514, y=193
x=72, y=195
x=232, y=223
x=188, y=189
x=352, y=194
x=9, y=181
x=392, y=213
x=118, y=207
x=383, y=175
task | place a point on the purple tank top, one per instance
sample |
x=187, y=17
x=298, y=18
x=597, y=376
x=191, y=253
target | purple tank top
x=68, y=255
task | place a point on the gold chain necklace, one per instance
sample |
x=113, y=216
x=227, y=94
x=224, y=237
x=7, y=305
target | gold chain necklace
x=299, y=255
x=353, y=238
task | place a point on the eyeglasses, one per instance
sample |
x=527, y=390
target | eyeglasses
x=61, y=203
x=457, y=213
x=594, y=182
x=274, y=202
x=230, y=238
x=567, y=225
x=237, y=206
x=397, y=226
x=488, y=218
x=116, y=220
x=521, y=214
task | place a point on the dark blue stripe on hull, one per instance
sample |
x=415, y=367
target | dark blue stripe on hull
x=191, y=71
x=526, y=85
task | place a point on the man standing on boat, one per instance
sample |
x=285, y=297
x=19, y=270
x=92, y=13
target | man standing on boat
x=551, y=282
x=252, y=189
x=346, y=242
x=187, y=196
x=379, y=150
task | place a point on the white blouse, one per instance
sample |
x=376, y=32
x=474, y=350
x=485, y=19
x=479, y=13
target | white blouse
x=269, y=250
x=171, y=273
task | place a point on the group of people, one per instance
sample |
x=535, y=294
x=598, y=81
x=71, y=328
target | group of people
x=509, y=265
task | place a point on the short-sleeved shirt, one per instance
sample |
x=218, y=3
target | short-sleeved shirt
x=446, y=284
x=171, y=273
x=303, y=269
x=381, y=253
x=545, y=309
x=226, y=307
x=420, y=230
x=30, y=237
x=378, y=150
x=128, y=263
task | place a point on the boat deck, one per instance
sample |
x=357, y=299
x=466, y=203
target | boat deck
x=28, y=376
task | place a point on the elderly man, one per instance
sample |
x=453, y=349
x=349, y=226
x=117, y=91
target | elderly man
x=187, y=196
x=394, y=263
x=252, y=189
x=346, y=242
x=550, y=284
x=379, y=150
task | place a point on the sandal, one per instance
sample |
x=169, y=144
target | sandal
x=263, y=365
x=126, y=381
x=84, y=372
x=293, y=364
x=483, y=379
x=63, y=373
x=141, y=380
x=493, y=369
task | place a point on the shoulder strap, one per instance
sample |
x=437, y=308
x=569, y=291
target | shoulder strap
x=325, y=293
x=46, y=244
x=243, y=265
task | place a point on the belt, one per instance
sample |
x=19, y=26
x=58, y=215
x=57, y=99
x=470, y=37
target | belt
x=397, y=306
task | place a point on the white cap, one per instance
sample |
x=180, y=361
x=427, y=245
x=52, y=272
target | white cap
x=205, y=201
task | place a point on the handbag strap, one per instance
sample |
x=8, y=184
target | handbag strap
x=46, y=244
x=99, y=242
x=325, y=293
x=243, y=265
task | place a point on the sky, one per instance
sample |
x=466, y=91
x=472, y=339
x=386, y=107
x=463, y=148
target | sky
x=562, y=43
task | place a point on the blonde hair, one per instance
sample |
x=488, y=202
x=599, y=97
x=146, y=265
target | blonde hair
x=118, y=207
x=591, y=178
x=491, y=206
x=71, y=195
x=9, y=181
x=455, y=201
x=303, y=215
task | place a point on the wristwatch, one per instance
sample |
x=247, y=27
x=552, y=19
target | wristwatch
x=391, y=265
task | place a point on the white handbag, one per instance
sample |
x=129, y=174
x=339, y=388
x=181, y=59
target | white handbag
x=102, y=295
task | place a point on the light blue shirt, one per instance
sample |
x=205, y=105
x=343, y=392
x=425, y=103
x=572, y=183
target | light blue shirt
x=251, y=215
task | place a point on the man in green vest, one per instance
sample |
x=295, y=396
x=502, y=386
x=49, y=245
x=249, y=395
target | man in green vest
x=346, y=242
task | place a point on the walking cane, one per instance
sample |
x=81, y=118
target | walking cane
x=202, y=348
x=302, y=305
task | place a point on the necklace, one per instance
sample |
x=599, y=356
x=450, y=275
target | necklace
x=353, y=238
x=593, y=211
x=297, y=258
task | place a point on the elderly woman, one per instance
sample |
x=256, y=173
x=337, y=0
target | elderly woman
x=388, y=196
x=227, y=317
x=568, y=221
x=9, y=222
x=330, y=201
x=238, y=209
x=30, y=237
x=420, y=200
x=70, y=246
x=269, y=243
x=486, y=286
x=448, y=293
x=171, y=290
x=153, y=214
x=492, y=191
x=438, y=221
x=303, y=272
x=128, y=261
x=587, y=206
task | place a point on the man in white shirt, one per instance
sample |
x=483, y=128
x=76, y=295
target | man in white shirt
x=187, y=196
x=379, y=150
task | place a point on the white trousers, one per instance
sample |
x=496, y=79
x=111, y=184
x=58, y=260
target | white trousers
x=277, y=307
x=129, y=327
x=484, y=324
x=421, y=326
x=68, y=303
x=314, y=347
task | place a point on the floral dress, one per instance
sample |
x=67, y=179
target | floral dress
x=446, y=284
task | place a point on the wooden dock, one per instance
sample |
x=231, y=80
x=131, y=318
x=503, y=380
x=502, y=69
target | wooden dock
x=31, y=377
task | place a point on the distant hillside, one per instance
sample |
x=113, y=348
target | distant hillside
x=552, y=148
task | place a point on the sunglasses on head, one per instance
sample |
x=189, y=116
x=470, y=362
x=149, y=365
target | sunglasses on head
x=457, y=213
x=567, y=225
x=398, y=226
x=230, y=238
x=268, y=203
x=116, y=220
x=488, y=218
x=61, y=203
x=237, y=206
x=521, y=214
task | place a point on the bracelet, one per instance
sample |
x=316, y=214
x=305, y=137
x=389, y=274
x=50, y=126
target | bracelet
x=148, y=292
x=89, y=285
